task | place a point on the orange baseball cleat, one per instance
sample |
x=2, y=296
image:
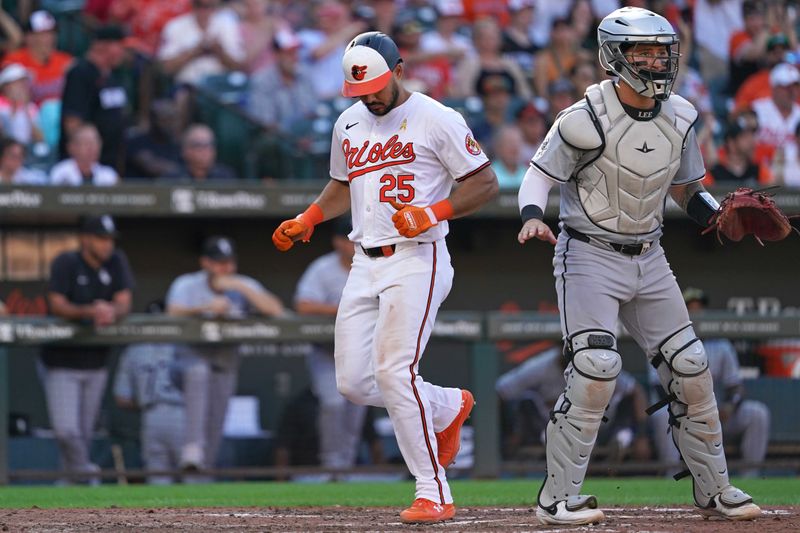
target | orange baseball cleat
x=425, y=511
x=448, y=441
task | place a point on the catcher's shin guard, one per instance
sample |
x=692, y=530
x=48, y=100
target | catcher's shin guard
x=576, y=417
x=682, y=367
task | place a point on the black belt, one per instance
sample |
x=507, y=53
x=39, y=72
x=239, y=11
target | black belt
x=627, y=249
x=380, y=251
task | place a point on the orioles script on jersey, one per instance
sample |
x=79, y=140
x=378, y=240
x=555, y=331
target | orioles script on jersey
x=379, y=156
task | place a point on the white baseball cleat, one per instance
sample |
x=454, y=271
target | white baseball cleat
x=731, y=504
x=574, y=511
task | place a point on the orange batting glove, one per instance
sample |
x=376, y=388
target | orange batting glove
x=410, y=220
x=299, y=228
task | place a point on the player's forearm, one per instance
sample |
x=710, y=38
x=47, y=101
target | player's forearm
x=334, y=200
x=533, y=193
x=696, y=201
x=70, y=311
x=470, y=195
x=265, y=303
x=122, y=303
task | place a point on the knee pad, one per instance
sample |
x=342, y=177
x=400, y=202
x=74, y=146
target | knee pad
x=682, y=366
x=576, y=418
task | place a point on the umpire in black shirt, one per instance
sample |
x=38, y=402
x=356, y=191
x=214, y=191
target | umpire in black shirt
x=92, y=285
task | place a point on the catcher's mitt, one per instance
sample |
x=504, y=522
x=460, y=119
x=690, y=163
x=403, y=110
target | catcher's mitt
x=747, y=211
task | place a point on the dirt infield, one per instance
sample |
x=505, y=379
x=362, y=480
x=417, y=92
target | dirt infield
x=619, y=519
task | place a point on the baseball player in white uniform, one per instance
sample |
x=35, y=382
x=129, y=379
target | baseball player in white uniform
x=395, y=157
x=616, y=154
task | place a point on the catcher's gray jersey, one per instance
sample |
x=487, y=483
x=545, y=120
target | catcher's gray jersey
x=615, y=170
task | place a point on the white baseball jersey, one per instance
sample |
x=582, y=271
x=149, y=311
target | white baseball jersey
x=413, y=154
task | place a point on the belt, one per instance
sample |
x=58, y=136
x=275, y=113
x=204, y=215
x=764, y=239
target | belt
x=388, y=250
x=627, y=249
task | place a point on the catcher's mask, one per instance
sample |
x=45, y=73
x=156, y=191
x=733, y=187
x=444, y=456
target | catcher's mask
x=622, y=36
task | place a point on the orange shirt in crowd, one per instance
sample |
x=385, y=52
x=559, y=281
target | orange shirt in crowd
x=48, y=78
x=478, y=9
x=753, y=88
x=146, y=19
x=738, y=39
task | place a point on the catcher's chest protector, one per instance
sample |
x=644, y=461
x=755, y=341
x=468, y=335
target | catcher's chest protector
x=623, y=190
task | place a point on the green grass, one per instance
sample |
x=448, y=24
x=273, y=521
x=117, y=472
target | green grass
x=630, y=491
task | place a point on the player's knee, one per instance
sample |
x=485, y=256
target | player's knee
x=756, y=414
x=350, y=389
x=594, y=355
x=686, y=358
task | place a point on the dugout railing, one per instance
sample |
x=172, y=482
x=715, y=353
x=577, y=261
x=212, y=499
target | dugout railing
x=479, y=331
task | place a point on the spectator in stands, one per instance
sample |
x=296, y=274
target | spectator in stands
x=583, y=74
x=786, y=163
x=93, y=286
x=154, y=153
x=746, y=421
x=201, y=43
x=496, y=91
x=260, y=25
x=445, y=39
x=83, y=166
x=561, y=94
x=757, y=85
x=748, y=46
x=556, y=60
x=489, y=61
x=546, y=12
x=94, y=94
x=209, y=371
x=145, y=20
x=144, y=381
x=779, y=115
x=318, y=292
x=47, y=65
x=735, y=165
x=3, y=309
x=535, y=385
x=517, y=42
x=19, y=116
x=506, y=150
x=281, y=95
x=12, y=157
x=428, y=72
x=323, y=46
x=532, y=125
x=10, y=34
x=715, y=21
x=199, y=157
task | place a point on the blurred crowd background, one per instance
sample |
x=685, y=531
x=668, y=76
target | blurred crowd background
x=109, y=91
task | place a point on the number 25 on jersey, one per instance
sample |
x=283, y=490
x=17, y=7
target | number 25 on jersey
x=400, y=188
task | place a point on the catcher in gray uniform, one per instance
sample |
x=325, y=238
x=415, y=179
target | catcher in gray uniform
x=616, y=155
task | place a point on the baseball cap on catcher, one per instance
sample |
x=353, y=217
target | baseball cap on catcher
x=368, y=63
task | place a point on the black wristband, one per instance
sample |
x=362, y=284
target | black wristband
x=699, y=209
x=531, y=211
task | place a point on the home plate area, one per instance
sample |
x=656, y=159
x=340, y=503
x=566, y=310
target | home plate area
x=618, y=519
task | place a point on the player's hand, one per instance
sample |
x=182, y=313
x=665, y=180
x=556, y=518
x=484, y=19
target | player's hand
x=103, y=313
x=291, y=231
x=410, y=221
x=218, y=306
x=535, y=228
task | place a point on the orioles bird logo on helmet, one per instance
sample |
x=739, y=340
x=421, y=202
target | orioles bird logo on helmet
x=358, y=72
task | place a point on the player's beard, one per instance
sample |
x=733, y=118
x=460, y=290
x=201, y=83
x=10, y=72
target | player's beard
x=392, y=103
